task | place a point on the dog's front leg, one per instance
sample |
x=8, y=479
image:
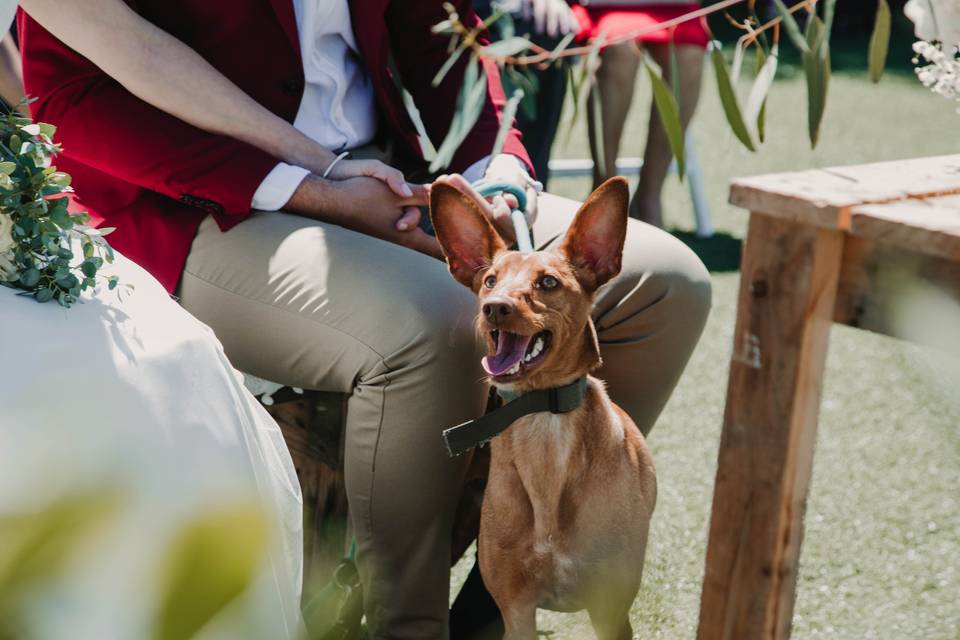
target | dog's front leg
x=519, y=620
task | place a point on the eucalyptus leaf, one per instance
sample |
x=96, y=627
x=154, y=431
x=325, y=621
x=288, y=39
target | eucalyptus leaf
x=731, y=108
x=879, y=41
x=506, y=122
x=562, y=45
x=470, y=102
x=669, y=111
x=208, y=565
x=758, y=94
x=30, y=278
x=508, y=47
x=791, y=27
x=447, y=65
x=816, y=66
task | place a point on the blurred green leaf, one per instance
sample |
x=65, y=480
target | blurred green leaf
x=728, y=99
x=506, y=122
x=563, y=44
x=209, y=563
x=6, y=168
x=34, y=546
x=791, y=27
x=507, y=47
x=472, y=97
x=829, y=9
x=879, y=41
x=669, y=112
x=447, y=65
x=758, y=93
x=30, y=278
x=581, y=81
x=816, y=66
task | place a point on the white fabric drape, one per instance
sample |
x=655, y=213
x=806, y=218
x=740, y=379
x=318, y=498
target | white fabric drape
x=8, y=10
x=138, y=394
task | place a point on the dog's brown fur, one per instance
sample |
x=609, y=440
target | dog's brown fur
x=569, y=498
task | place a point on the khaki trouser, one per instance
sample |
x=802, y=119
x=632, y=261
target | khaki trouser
x=317, y=306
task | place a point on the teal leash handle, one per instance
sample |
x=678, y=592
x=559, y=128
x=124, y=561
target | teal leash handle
x=520, y=227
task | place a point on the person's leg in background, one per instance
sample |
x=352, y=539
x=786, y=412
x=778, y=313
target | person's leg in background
x=616, y=78
x=615, y=81
x=657, y=156
x=317, y=306
x=648, y=318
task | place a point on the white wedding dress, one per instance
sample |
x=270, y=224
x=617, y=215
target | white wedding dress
x=136, y=394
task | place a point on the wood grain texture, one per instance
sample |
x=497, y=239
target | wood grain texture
x=881, y=284
x=786, y=304
x=930, y=226
x=826, y=197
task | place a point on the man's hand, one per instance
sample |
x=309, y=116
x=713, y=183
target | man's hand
x=553, y=17
x=369, y=206
x=497, y=211
x=509, y=169
x=372, y=169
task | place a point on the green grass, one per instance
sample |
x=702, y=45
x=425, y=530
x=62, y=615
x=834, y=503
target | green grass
x=881, y=554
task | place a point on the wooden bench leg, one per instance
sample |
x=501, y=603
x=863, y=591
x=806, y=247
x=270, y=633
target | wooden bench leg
x=787, y=294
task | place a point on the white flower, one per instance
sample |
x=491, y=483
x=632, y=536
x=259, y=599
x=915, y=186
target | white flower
x=942, y=74
x=935, y=20
x=7, y=245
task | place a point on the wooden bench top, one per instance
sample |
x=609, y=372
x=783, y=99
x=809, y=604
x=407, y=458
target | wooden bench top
x=913, y=203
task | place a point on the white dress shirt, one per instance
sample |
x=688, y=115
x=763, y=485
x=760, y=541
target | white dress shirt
x=338, y=108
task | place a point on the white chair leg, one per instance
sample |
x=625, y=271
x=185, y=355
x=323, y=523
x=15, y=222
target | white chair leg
x=701, y=208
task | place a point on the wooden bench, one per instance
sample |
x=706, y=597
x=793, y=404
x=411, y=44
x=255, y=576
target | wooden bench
x=829, y=245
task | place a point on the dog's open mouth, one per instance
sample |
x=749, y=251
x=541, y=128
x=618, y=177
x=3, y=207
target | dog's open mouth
x=516, y=354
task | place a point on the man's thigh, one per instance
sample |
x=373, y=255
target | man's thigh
x=314, y=305
x=652, y=313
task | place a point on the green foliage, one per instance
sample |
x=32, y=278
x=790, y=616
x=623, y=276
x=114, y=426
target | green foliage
x=731, y=108
x=209, y=564
x=669, y=111
x=755, y=111
x=32, y=194
x=879, y=41
x=35, y=546
x=791, y=27
x=473, y=95
x=516, y=56
x=816, y=66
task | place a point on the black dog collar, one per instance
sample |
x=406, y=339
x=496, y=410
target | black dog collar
x=472, y=433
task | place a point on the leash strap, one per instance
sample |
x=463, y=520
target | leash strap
x=472, y=433
x=520, y=228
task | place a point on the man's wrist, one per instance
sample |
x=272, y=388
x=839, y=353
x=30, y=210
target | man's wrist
x=314, y=197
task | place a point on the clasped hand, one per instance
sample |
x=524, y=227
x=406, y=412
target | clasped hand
x=375, y=199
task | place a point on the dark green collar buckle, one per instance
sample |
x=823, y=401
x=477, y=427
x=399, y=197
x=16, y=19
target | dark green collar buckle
x=463, y=437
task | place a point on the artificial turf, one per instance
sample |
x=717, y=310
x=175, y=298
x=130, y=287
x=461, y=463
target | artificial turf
x=881, y=554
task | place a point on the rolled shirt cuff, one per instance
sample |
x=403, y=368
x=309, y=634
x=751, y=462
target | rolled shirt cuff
x=277, y=188
x=474, y=172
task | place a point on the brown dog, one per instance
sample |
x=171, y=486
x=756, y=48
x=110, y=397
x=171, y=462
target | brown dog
x=569, y=498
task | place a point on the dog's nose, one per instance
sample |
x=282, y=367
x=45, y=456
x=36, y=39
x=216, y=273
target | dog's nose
x=496, y=309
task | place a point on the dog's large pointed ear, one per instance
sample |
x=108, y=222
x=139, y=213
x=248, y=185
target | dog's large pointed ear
x=594, y=241
x=467, y=237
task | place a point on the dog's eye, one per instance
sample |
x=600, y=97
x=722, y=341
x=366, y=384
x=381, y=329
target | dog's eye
x=490, y=282
x=547, y=282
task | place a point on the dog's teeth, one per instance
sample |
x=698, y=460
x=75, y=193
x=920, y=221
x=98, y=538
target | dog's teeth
x=537, y=348
x=528, y=358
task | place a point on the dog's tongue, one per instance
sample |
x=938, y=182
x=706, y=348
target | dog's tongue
x=511, y=348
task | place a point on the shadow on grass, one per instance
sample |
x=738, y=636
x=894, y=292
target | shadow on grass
x=720, y=252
